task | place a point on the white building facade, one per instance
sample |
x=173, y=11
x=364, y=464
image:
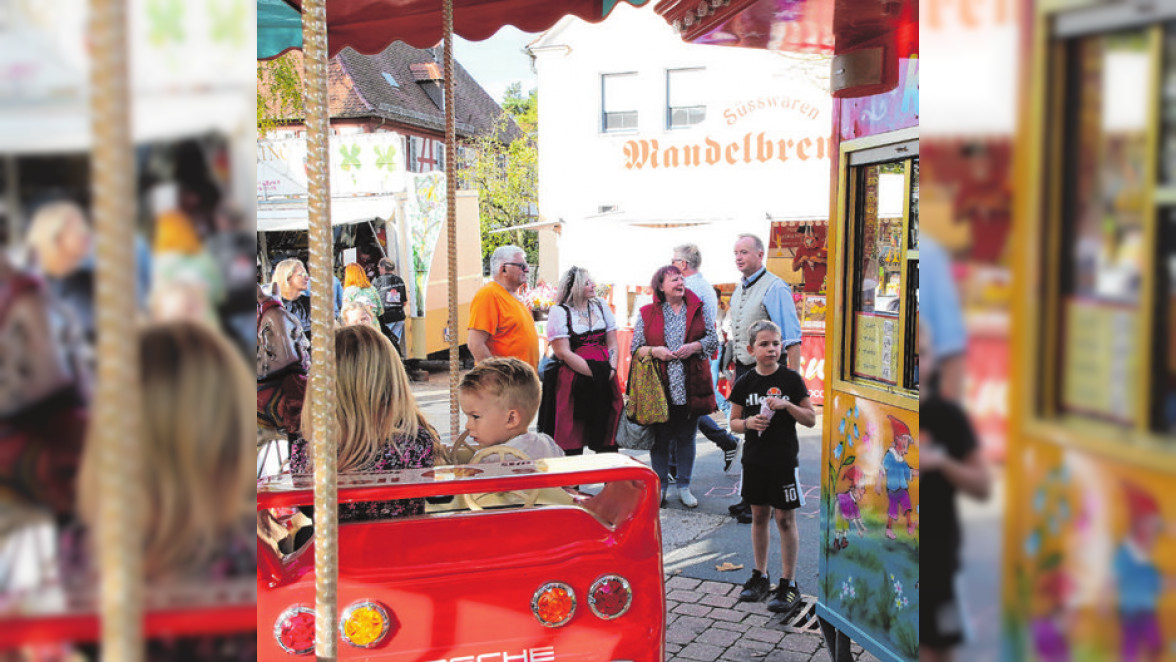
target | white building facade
x=647, y=142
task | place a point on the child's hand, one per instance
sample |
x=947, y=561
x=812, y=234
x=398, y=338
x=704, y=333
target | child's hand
x=775, y=403
x=931, y=456
x=759, y=423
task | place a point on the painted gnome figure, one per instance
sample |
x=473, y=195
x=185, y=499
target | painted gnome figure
x=1139, y=579
x=897, y=475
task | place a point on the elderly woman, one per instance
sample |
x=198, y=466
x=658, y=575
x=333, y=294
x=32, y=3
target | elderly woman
x=586, y=401
x=291, y=281
x=678, y=332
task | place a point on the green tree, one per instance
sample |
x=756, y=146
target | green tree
x=505, y=172
x=279, y=91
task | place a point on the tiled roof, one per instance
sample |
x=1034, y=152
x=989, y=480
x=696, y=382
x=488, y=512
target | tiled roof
x=358, y=87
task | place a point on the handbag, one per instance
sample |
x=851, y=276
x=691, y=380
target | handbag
x=647, y=398
x=634, y=436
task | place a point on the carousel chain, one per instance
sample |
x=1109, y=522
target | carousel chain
x=322, y=374
x=115, y=423
x=451, y=215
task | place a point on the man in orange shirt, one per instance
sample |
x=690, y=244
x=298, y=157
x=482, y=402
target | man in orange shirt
x=500, y=324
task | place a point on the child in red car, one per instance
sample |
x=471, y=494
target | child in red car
x=500, y=398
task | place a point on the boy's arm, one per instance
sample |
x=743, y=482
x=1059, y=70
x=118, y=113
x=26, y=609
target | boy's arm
x=803, y=412
x=970, y=475
x=738, y=424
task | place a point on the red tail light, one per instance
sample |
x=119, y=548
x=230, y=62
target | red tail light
x=610, y=597
x=294, y=630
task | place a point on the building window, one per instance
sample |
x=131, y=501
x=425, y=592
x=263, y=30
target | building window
x=425, y=154
x=391, y=79
x=685, y=98
x=618, y=102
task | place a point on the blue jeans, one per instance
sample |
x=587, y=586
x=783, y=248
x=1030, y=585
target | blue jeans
x=397, y=329
x=712, y=431
x=677, y=433
x=724, y=406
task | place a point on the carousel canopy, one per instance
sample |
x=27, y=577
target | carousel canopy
x=796, y=26
x=369, y=26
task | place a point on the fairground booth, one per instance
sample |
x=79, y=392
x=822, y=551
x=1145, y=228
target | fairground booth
x=1089, y=549
x=869, y=589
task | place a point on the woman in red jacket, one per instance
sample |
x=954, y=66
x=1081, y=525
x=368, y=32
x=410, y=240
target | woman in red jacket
x=677, y=331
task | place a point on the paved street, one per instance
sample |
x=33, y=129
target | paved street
x=707, y=623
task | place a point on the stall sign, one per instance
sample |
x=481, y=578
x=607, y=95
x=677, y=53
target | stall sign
x=986, y=395
x=876, y=348
x=788, y=235
x=1101, y=369
x=812, y=319
x=361, y=164
x=880, y=113
x=812, y=366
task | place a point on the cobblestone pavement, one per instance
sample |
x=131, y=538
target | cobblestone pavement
x=707, y=623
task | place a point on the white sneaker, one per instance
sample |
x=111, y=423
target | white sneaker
x=687, y=498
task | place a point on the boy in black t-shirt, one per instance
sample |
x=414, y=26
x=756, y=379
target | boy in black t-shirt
x=950, y=460
x=766, y=405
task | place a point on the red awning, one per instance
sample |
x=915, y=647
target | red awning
x=369, y=26
x=798, y=26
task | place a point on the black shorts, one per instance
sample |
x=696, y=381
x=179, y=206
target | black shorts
x=941, y=615
x=772, y=484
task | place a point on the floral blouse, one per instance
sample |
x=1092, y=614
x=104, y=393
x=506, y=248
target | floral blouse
x=406, y=453
x=367, y=295
x=675, y=338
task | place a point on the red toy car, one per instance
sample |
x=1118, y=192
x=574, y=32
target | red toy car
x=577, y=577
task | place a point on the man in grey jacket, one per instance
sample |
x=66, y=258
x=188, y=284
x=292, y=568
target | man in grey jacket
x=760, y=295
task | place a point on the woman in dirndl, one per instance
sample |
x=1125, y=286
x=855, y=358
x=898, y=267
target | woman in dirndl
x=584, y=402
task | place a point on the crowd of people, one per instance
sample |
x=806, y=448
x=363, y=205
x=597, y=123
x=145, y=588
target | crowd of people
x=576, y=397
x=192, y=266
x=377, y=302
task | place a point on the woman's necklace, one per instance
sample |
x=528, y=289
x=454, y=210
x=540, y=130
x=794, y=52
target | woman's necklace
x=585, y=314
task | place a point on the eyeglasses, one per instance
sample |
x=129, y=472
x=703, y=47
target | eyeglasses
x=521, y=265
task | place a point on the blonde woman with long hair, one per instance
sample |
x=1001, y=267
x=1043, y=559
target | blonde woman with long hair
x=582, y=394
x=291, y=282
x=378, y=425
x=198, y=490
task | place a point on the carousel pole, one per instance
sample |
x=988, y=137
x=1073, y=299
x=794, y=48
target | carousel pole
x=322, y=326
x=451, y=216
x=115, y=424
